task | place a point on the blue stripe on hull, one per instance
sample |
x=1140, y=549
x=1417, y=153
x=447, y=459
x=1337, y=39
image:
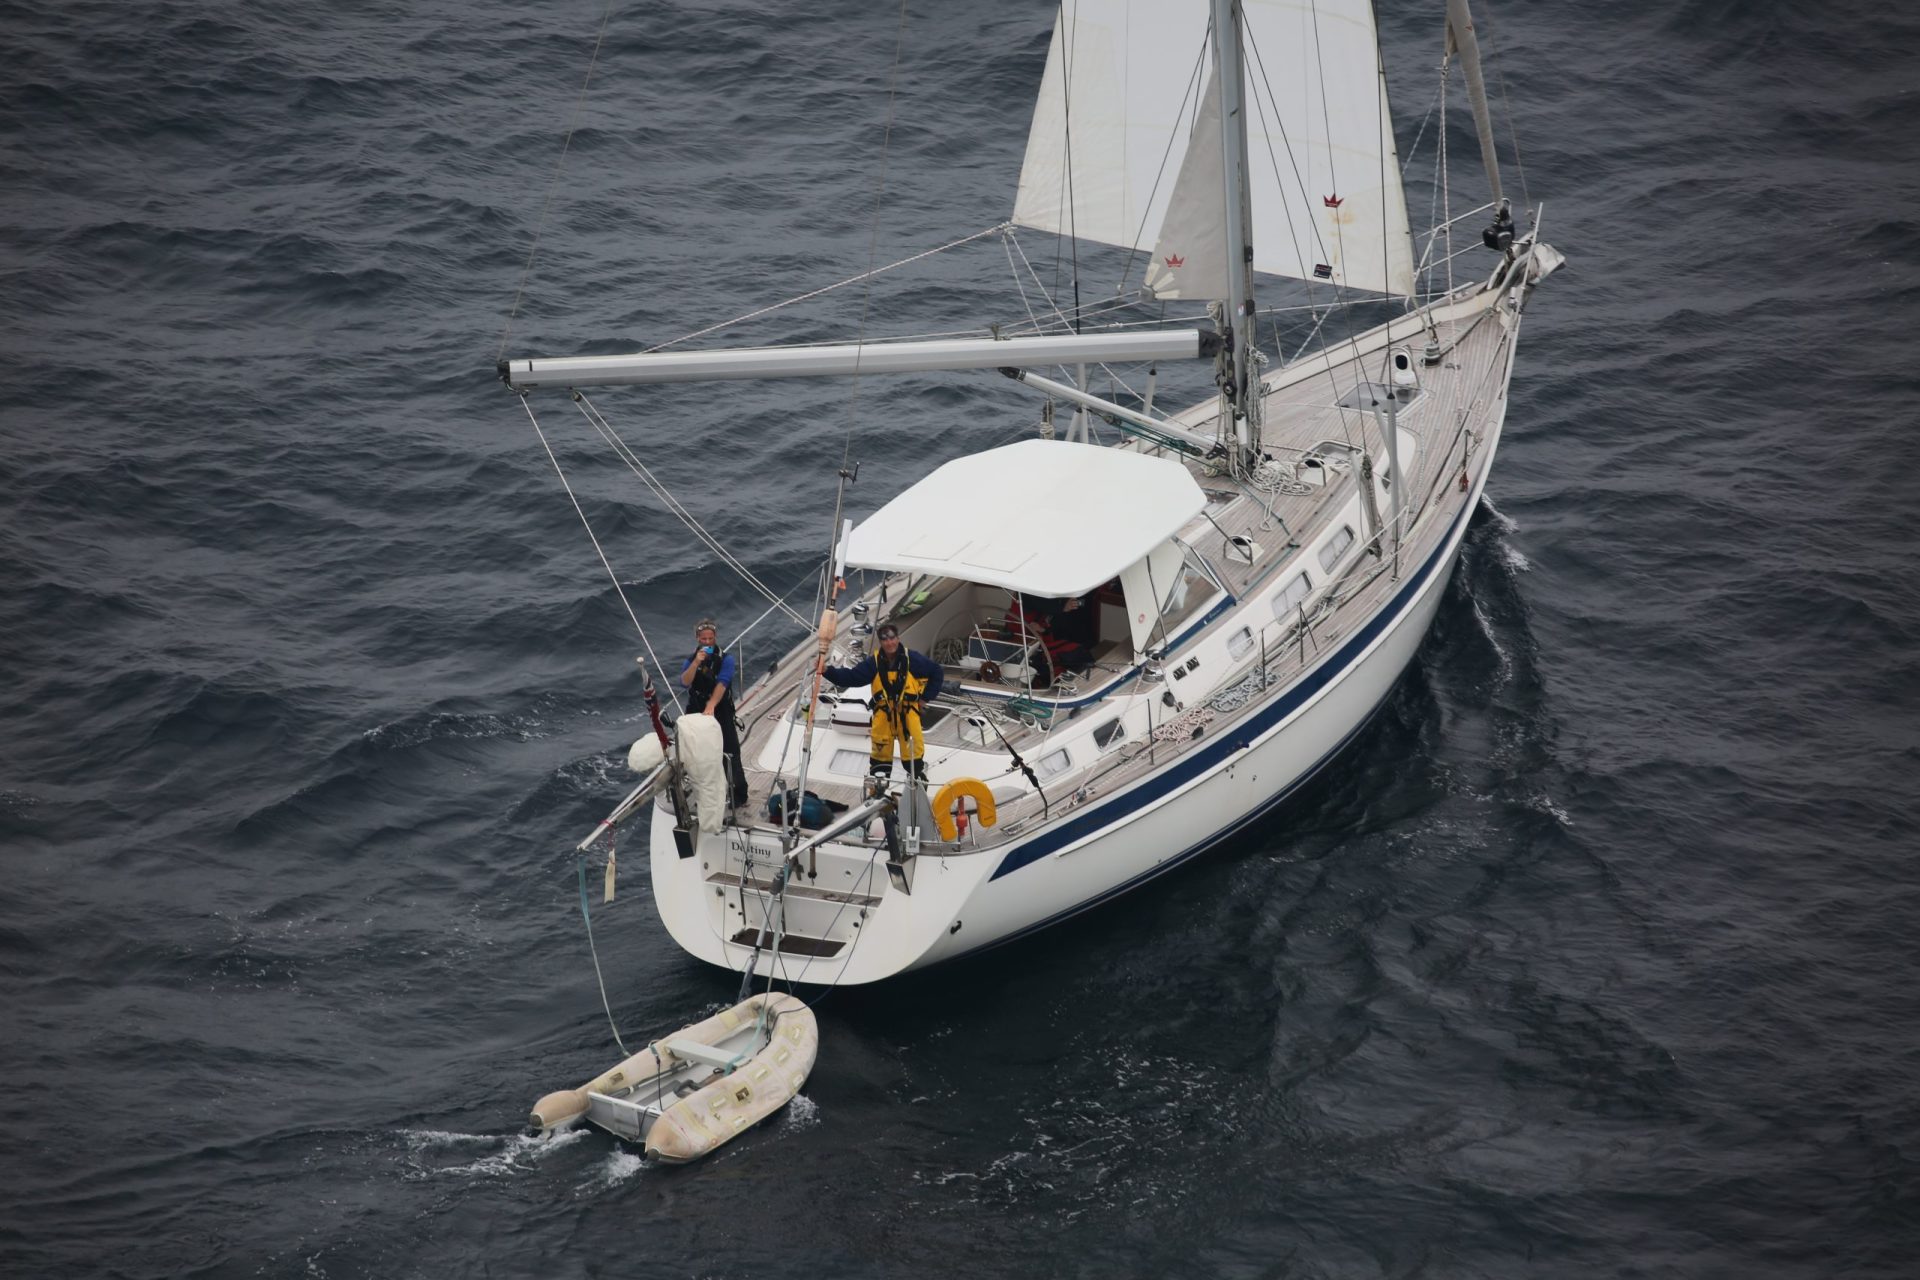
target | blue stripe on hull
x=1194, y=851
x=1211, y=757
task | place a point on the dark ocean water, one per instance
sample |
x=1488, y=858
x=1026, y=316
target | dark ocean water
x=1595, y=957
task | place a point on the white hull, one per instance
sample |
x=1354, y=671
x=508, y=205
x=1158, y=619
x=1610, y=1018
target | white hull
x=1179, y=628
x=1114, y=843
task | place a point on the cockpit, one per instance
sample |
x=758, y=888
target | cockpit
x=1040, y=568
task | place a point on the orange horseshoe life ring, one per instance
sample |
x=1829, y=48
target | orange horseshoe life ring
x=947, y=798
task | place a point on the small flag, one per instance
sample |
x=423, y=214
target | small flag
x=1321, y=271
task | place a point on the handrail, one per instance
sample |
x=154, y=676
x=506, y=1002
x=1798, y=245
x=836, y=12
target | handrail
x=1433, y=236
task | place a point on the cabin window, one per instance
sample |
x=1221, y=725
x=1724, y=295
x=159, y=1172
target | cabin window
x=1336, y=547
x=1053, y=763
x=1109, y=734
x=1290, y=596
x=1240, y=642
x=1190, y=588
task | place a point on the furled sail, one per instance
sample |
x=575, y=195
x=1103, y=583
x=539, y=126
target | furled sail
x=1125, y=145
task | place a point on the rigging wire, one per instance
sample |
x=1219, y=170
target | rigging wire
x=602, y=553
x=558, y=167
x=1041, y=327
x=676, y=507
x=873, y=250
x=1513, y=136
x=1383, y=135
x=811, y=574
x=1420, y=133
x=1012, y=242
x=1066, y=127
x=1192, y=94
x=1293, y=162
x=1446, y=190
x=1340, y=237
x=1439, y=159
x=829, y=587
x=996, y=229
x=1326, y=124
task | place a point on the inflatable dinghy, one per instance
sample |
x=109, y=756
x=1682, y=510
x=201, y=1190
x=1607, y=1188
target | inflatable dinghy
x=687, y=1093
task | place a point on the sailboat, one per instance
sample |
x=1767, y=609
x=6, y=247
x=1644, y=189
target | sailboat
x=1250, y=574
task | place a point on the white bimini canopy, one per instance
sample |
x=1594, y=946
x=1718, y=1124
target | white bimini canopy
x=1043, y=516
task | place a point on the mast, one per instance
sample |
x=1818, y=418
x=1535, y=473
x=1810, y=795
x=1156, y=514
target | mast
x=1460, y=35
x=1239, y=372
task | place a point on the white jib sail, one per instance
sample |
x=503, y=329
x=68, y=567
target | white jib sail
x=1321, y=160
x=1190, y=260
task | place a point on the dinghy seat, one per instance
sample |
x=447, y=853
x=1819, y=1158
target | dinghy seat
x=694, y=1051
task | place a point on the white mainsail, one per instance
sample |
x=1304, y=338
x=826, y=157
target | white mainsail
x=1125, y=146
x=1116, y=102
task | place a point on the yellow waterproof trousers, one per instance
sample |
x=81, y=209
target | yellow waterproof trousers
x=886, y=733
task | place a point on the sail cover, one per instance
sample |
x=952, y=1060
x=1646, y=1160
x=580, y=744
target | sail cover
x=1125, y=143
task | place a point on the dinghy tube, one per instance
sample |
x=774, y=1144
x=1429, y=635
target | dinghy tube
x=688, y=1093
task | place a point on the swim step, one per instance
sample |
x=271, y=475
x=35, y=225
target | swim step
x=791, y=944
x=797, y=887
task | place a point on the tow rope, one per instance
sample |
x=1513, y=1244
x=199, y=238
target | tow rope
x=586, y=914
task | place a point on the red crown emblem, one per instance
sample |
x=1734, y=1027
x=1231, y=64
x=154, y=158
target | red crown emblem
x=1333, y=202
x=1175, y=261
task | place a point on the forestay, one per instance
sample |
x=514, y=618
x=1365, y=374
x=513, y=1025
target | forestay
x=1125, y=145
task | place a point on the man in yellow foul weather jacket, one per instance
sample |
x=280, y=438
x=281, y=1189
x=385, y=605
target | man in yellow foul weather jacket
x=902, y=680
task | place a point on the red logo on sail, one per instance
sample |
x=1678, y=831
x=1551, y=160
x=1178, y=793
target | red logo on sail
x=1333, y=202
x=1174, y=261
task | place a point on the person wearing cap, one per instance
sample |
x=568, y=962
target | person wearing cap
x=708, y=677
x=902, y=681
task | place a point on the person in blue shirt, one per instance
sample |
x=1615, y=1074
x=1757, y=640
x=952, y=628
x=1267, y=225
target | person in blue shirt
x=902, y=680
x=708, y=677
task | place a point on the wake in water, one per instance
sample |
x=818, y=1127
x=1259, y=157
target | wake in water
x=1504, y=674
x=1505, y=522
x=434, y=1153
